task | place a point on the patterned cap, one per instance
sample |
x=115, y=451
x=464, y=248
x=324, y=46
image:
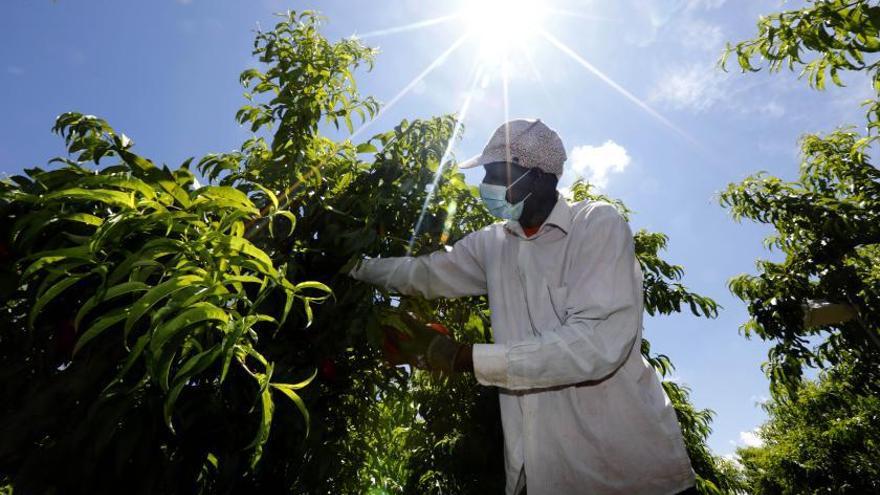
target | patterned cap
x=525, y=142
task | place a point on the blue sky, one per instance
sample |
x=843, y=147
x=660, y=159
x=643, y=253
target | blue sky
x=166, y=74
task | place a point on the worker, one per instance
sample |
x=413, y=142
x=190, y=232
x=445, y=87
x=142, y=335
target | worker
x=582, y=411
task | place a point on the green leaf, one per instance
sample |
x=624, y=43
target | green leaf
x=99, y=326
x=307, y=307
x=229, y=345
x=84, y=218
x=153, y=249
x=46, y=258
x=128, y=183
x=288, y=390
x=269, y=194
x=158, y=293
x=193, y=366
x=234, y=279
x=366, y=148
x=111, y=293
x=317, y=286
x=197, y=313
x=266, y=411
x=186, y=298
x=289, y=216
x=180, y=195
x=132, y=358
x=298, y=385
x=225, y=196
x=241, y=245
x=107, y=196
x=48, y=296
x=288, y=305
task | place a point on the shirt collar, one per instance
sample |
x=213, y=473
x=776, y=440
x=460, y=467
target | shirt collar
x=560, y=217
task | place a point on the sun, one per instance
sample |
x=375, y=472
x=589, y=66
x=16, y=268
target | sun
x=498, y=25
x=503, y=35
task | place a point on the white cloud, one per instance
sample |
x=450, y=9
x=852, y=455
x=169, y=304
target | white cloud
x=771, y=109
x=662, y=20
x=702, y=87
x=596, y=163
x=701, y=35
x=565, y=191
x=733, y=459
x=691, y=81
x=695, y=87
x=704, y=4
x=750, y=438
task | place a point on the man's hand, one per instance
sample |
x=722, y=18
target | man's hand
x=425, y=346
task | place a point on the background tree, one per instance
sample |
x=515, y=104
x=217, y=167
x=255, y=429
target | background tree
x=291, y=203
x=825, y=440
x=133, y=322
x=827, y=222
x=820, y=304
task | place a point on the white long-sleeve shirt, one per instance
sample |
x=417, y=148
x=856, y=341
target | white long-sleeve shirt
x=582, y=411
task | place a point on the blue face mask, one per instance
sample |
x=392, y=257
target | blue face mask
x=495, y=199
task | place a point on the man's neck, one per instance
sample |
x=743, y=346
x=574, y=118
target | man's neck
x=535, y=214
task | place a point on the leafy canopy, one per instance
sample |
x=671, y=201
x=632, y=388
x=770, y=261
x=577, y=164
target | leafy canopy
x=825, y=222
x=820, y=436
x=824, y=441
x=181, y=338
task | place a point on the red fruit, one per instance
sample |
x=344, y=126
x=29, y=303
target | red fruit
x=327, y=369
x=439, y=328
x=5, y=253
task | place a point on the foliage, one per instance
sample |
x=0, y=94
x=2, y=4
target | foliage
x=826, y=221
x=458, y=447
x=824, y=441
x=299, y=206
x=148, y=322
x=165, y=346
x=136, y=293
x=820, y=437
x=826, y=225
x=841, y=35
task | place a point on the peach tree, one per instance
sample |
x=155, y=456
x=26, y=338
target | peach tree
x=160, y=335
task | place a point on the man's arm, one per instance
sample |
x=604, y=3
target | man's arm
x=603, y=316
x=455, y=273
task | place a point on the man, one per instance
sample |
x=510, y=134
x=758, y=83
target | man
x=582, y=411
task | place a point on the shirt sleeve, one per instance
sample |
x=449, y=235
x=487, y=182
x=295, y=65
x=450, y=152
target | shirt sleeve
x=454, y=273
x=603, y=309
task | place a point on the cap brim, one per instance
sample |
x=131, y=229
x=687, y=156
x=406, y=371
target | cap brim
x=471, y=162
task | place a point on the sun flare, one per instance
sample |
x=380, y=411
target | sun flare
x=499, y=24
